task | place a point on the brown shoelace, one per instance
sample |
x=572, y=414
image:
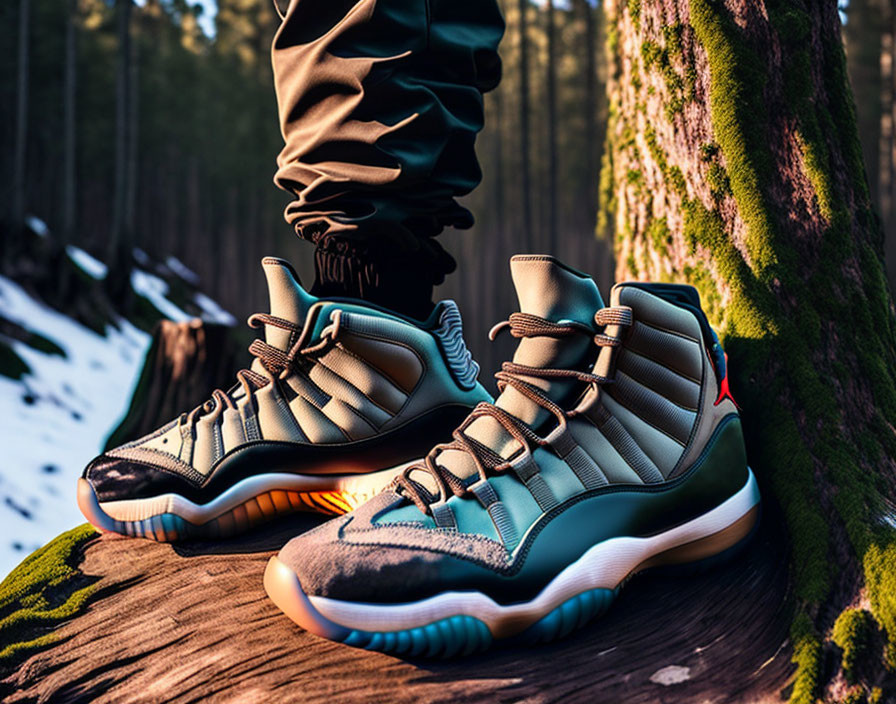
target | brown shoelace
x=275, y=362
x=512, y=374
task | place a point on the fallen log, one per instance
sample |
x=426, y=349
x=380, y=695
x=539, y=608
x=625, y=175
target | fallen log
x=192, y=623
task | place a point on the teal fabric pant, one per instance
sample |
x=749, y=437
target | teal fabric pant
x=380, y=102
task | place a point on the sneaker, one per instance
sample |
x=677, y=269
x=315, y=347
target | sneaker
x=613, y=447
x=340, y=397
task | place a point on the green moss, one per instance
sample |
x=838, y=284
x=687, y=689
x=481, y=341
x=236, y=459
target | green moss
x=650, y=53
x=44, y=590
x=606, y=208
x=852, y=634
x=11, y=365
x=880, y=579
x=807, y=656
x=634, y=9
x=660, y=58
x=717, y=179
x=708, y=151
x=737, y=85
x=700, y=277
x=856, y=695
x=659, y=235
x=677, y=181
x=656, y=151
x=672, y=38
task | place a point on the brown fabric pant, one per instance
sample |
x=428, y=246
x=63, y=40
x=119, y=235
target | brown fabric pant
x=380, y=102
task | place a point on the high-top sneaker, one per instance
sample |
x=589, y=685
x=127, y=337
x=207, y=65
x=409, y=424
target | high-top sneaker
x=340, y=397
x=613, y=447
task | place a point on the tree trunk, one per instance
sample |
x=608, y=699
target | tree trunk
x=887, y=155
x=21, y=133
x=132, y=131
x=735, y=165
x=525, y=175
x=862, y=36
x=69, y=134
x=551, y=81
x=119, y=235
x=590, y=108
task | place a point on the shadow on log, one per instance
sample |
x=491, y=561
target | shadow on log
x=184, y=363
x=192, y=623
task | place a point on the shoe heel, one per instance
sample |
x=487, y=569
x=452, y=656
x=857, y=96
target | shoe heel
x=704, y=554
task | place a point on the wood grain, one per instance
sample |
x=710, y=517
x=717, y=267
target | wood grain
x=192, y=623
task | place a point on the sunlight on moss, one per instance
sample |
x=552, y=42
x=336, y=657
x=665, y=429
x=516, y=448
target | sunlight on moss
x=41, y=593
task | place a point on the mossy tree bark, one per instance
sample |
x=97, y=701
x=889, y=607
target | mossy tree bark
x=733, y=164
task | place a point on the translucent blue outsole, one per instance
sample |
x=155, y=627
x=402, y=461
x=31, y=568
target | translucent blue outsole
x=465, y=635
x=571, y=615
x=457, y=635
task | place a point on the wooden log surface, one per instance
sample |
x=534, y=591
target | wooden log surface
x=192, y=623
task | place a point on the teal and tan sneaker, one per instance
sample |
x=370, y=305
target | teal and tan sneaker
x=340, y=398
x=613, y=447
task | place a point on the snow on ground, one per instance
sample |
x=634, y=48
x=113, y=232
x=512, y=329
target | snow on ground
x=155, y=289
x=182, y=270
x=38, y=226
x=56, y=419
x=88, y=264
x=213, y=312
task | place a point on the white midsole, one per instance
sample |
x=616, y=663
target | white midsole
x=604, y=565
x=367, y=484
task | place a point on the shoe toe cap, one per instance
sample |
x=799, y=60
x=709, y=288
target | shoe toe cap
x=338, y=560
x=116, y=478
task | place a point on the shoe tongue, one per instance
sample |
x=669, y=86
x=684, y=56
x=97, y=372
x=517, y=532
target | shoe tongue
x=288, y=299
x=552, y=291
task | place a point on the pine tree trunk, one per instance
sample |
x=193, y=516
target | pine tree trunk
x=590, y=108
x=132, y=131
x=887, y=156
x=525, y=175
x=551, y=97
x=21, y=124
x=69, y=133
x=122, y=101
x=862, y=35
x=734, y=164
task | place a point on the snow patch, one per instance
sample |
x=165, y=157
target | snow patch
x=155, y=289
x=56, y=419
x=213, y=312
x=89, y=264
x=182, y=270
x=141, y=257
x=37, y=226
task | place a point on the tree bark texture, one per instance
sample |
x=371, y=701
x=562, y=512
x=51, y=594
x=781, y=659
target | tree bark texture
x=733, y=163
